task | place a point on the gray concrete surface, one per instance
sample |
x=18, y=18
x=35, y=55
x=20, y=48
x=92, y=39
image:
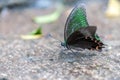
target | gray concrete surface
x=46, y=59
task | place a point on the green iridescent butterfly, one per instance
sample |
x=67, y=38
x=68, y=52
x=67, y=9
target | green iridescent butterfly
x=78, y=34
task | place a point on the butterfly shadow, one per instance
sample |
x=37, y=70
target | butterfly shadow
x=70, y=56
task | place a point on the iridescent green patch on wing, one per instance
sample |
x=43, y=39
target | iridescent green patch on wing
x=77, y=19
x=97, y=37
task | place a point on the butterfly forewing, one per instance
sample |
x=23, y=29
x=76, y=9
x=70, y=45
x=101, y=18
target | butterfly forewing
x=75, y=20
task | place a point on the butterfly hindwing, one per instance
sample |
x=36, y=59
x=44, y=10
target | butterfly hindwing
x=88, y=31
x=78, y=39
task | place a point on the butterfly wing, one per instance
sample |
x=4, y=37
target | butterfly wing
x=78, y=33
x=75, y=20
x=89, y=31
x=84, y=39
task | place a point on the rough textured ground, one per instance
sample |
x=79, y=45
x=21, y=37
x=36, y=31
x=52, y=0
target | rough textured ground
x=33, y=60
x=46, y=59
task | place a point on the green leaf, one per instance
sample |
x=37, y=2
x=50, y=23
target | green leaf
x=38, y=31
x=33, y=35
x=50, y=17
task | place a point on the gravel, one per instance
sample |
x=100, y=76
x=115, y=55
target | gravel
x=46, y=59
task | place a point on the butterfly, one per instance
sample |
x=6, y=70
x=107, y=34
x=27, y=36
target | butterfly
x=78, y=34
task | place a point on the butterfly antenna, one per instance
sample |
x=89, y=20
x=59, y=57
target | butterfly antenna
x=62, y=43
